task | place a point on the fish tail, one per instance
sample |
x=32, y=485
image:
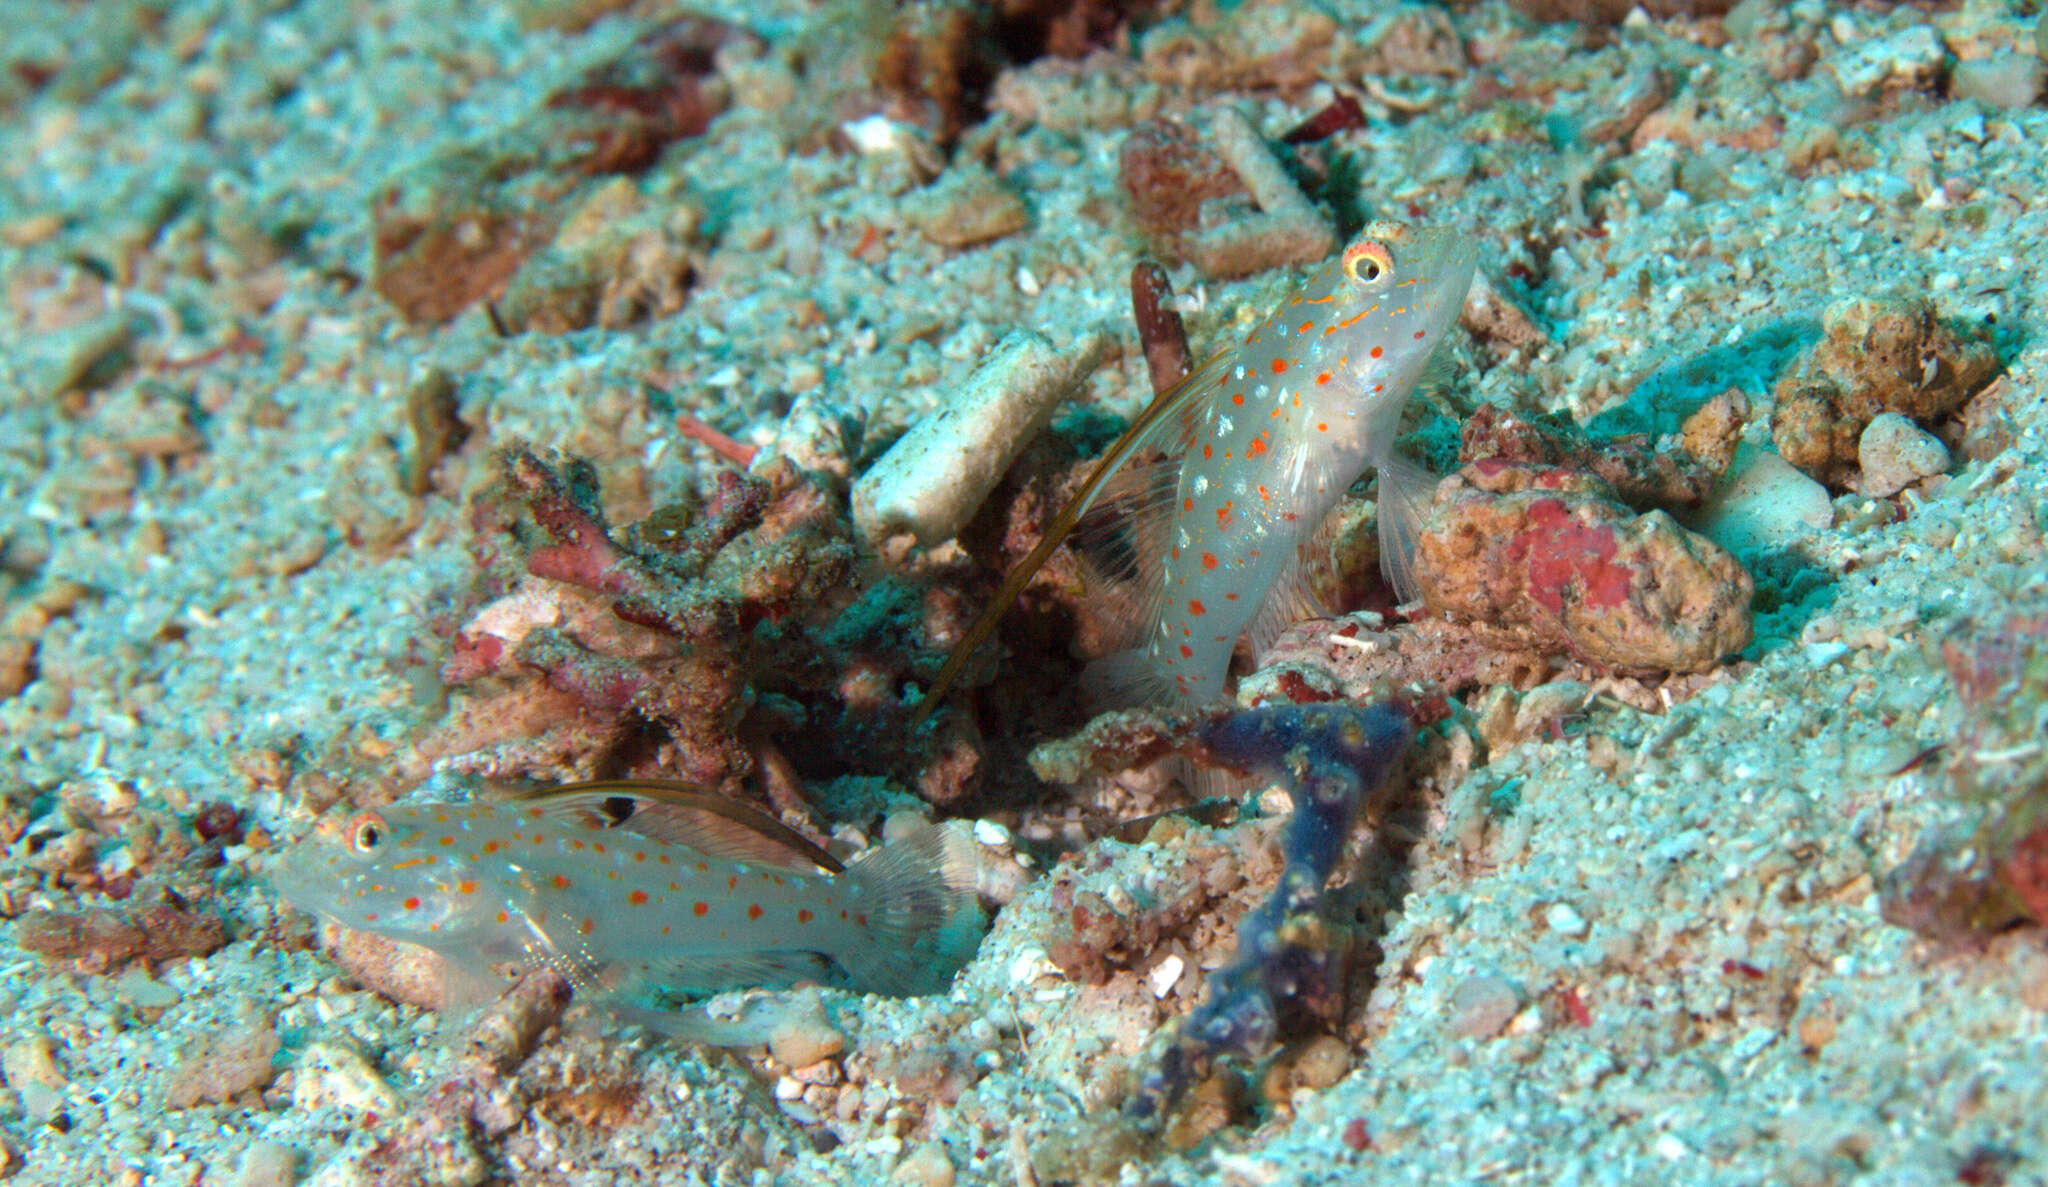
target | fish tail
x=1127, y=679
x=924, y=920
x=1406, y=491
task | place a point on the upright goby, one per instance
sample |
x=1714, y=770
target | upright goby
x=1205, y=506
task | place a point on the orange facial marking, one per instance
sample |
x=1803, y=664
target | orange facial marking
x=446, y=841
x=1223, y=515
x=1186, y=652
x=639, y=856
x=504, y=917
x=1322, y=428
x=1208, y=451
x=732, y=883
x=803, y=915
x=1307, y=326
x=587, y=926
x=1322, y=377
x=1196, y=608
x=638, y=898
x=536, y=813
x=490, y=846
x=1187, y=504
x=560, y=881
x=413, y=903
x=1230, y=597
x=1420, y=335
x=465, y=887
x=1279, y=366
x=1208, y=560
x=1376, y=352
x=597, y=845
x=753, y=910
x=1257, y=447
x=1265, y=496
x=1237, y=398
x=701, y=908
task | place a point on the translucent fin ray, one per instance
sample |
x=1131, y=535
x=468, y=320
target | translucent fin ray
x=1167, y=426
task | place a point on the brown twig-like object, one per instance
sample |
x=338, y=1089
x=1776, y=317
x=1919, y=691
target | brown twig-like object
x=1159, y=327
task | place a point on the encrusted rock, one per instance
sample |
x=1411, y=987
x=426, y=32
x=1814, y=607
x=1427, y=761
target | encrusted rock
x=1548, y=557
x=1874, y=356
x=967, y=206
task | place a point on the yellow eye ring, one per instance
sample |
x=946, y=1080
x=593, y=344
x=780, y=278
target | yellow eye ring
x=1369, y=263
x=366, y=832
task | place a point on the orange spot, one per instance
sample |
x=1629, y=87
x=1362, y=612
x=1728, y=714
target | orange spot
x=1419, y=335
x=1257, y=447
x=597, y=845
x=1307, y=326
x=447, y=840
x=1208, y=560
x=638, y=856
x=537, y=838
x=490, y=846
x=1323, y=377
x=803, y=915
x=504, y=917
x=637, y=898
x=1230, y=597
x=1322, y=428
x=577, y=845
x=1375, y=352
x=560, y=881
x=536, y=813
x=701, y=908
x=1208, y=452
x=663, y=858
x=753, y=910
x=703, y=867
x=1189, y=504
x=732, y=882
x=1237, y=398
x=373, y=916
x=1279, y=365
x=861, y=918
x=1223, y=516
x=1265, y=496
x=1196, y=608
x=675, y=888
x=587, y=926
x=413, y=903
x=466, y=887
x=1186, y=652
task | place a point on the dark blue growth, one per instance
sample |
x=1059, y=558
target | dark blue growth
x=1287, y=969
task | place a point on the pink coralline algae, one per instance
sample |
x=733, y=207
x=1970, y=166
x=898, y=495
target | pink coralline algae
x=1548, y=558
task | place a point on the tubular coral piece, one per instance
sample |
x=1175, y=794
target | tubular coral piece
x=1288, y=966
x=932, y=481
x=1288, y=230
x=717, y=442
x=1159, y=327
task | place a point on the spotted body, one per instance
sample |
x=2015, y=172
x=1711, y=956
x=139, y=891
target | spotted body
x=1216, y=490
x=646, y=891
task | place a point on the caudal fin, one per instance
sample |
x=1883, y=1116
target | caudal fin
x=923, y=919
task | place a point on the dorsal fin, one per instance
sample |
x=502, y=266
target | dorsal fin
x=681, y=814
x=1166, y=427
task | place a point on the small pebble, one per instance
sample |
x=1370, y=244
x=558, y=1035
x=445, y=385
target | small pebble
x=1895, y=453
x=268, y=1164
x=2010, y=81
x=1563, y=919
x=1165, y=975
x=926, y=1166
x=1481, y=1007
x=804, y=1039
